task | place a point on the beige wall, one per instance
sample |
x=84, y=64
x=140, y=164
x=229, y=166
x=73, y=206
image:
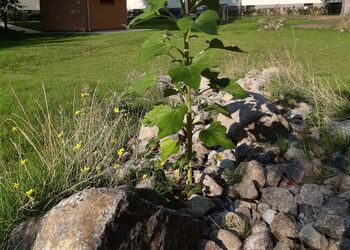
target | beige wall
x=107, y=16
x=67, y=16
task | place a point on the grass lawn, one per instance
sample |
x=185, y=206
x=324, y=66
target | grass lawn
x=68, y=63
x=34, y=25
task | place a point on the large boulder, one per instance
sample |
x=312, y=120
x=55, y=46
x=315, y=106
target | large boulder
x=117, y=218
x=254, y=118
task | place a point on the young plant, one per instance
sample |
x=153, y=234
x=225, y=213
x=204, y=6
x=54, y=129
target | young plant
x=186, y=70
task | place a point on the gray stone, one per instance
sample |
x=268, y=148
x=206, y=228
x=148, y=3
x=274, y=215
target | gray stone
x=345, y=195
x=210, y=187
x=302, y=109
x=293, y=171
x=236, y=222
x=247, y=190
x=259, y=241
x=289, y=208
x=274, y=176
x=310, y=237
x=335, y=226
x=339, y=161
x=259, y=227
x=344, y=184
x=255, y=172
x=269, y=215
x=263, y=207
x=282, y=226
x=107, y=217
x=336, y=206
x=295, y=154
x=208, y=245
x=333, y=183
x=226, y=239
x=286, y=244
x=274, y=196
x=243, y=152
x=198, y=206
x=310, y=194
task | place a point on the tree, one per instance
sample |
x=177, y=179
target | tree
x=345, y=10
x=7, y=6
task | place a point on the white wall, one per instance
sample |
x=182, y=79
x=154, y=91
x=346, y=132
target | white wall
x=278, y=2
x=175, y=3
x=136, y=4
x=30, y=4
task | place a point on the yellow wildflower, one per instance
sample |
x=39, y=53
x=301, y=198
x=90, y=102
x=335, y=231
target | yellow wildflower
x=144, y=176
x=85, y=170
x=218, y=157
x=98, y=169
x=116, y=110
x=60, y=135
x=116, y=166
x=29, y=193
x=14, y=129
x=77, y=113
x=84, y=94
x=120, y=151
x=113, y=141
x=15, y=185
x=24, y=162
x=77, y=146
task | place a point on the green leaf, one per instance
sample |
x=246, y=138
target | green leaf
x=166, y=118
x=151, y=11
x=211, y=4
x=190, y=75
x=215, y=135
x=224, y=84
x=184, y=23
x=168, y=147
x=219, y=109
x=218, y=44
x=207, y=22
x=170, y=92
x=154, y=46
x=142, y=85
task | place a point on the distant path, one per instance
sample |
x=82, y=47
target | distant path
x=20, y=29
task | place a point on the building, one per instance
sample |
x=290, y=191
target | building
x=82, y=15
x=30, y=5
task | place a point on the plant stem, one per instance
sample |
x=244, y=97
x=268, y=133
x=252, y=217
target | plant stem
x=188, y=102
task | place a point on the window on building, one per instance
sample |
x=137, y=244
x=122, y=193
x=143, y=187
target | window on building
x=107, y=1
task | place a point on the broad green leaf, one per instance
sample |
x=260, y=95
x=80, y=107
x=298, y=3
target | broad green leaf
x=190, y=75
x=224, y=84
x=166, y=118
x=219, y=109
x=151, y=11
x=215, y=135
x=218, y=44
x=142, y=85
x=168, y=147
x=207, y=22
x=170, y=92
x=211, y=4
x=184, y=23
x=154, y=46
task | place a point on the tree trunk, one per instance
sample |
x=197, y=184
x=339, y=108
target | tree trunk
x=5, y=20
x=345, y=10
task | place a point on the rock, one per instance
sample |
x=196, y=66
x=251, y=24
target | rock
x=226, y=239
x=345, y=195
x=254, y=118
x=343, y=244
x=23, y=235
x=255, y=172
x=292, y=171
x=208, y=245
x=107, y=218
x=289, y=208
x=310, y=237
x=310, y=194
x=146, y=183
x=336, y=206
x=243, y=152
x=282, y=226
x=232, y=192
x=247, y=190
x=344, y=184
x=236, y=222
x=259, y=227
x=263, y=207
x=146, y=134
x=339, y=127
x=306, y=213
x=274, y=176
x=302, y=109
x=274, y=196
x=326, y=191
x=269, y=215
x=295, y=154
x=210, y=187
x=339, y=161
x=227, y=160
x=333, y=183
x=259, y=241
x=198, y=206
x=286, y=244
x=335, y=226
